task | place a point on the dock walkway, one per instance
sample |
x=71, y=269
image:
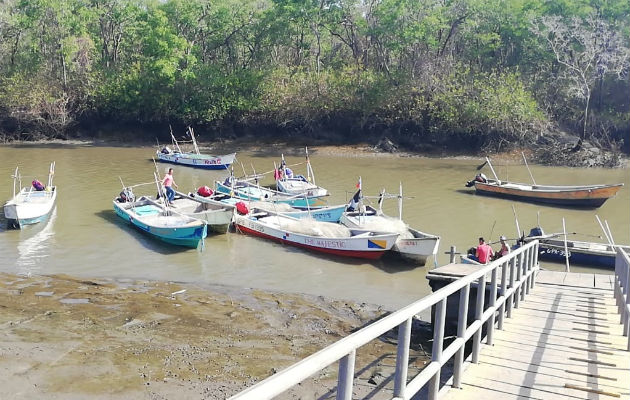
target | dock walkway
x=565, y=342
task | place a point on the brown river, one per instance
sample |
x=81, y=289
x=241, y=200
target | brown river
x=85, y=238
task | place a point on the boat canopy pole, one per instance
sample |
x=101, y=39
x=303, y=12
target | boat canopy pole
x=173, y=140
x=528, y=170
x=400, y=201
x=518, y=228
x=15, y=177
x=51, y=172
x=604, y=230
x=566, y=248
x=194, y=141
x=492, y=169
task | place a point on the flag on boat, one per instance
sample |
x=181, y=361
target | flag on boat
x=354, y=202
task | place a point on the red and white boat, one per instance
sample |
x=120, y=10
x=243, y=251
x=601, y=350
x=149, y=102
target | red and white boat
x=324, y=237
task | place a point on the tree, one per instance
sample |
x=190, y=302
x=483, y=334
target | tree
x=587, y=50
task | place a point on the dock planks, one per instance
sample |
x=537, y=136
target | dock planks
x=563, y=342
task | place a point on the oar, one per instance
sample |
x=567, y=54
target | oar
x=518, y=228
x=480, y=166
x=604, y=230
x=492, y=169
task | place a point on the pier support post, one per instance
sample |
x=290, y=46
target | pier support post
x=504, y=269
x=462, y=322
x=491, y=303
x=402, y=358
x=481, y=292
x=346, y=376
x=438, y=345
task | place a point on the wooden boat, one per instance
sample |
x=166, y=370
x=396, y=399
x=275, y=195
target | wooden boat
x=152, y=217
x=193, y=158
x=245, y=190
x=28, y=205
x=299, y=185
x=411, y=244
x=552, y=248
x=217, y=215
x=316, y=236
x=591, y=196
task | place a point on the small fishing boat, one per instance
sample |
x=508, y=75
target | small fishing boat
x=216, y=214
x=245, y=190
x=323, y=237
x=193, y=158
x=30, y=205
x=154, y=218
x=591, y=196
x=552, y=248
x=411, y=244
x=288, y=182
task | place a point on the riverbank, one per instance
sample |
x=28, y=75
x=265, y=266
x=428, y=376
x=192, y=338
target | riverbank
x=68, y=338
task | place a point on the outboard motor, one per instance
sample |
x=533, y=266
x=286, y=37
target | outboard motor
x=126, y=196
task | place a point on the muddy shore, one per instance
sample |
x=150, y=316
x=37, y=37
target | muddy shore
x=68, y=338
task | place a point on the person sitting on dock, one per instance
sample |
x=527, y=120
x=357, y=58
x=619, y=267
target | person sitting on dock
x=484, y=252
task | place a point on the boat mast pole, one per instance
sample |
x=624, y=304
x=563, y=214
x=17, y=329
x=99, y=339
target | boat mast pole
x=604, y=230
x=528, y=170
x=51, y=172
x=492, y=169
x=518, y=228
x=566, y=249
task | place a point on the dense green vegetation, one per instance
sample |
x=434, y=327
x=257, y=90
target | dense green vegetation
x=425, y=72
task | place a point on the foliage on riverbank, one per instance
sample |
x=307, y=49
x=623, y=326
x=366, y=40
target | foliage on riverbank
x=428, y=74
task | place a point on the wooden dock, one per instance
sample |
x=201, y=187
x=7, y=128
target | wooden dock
x=564, y=342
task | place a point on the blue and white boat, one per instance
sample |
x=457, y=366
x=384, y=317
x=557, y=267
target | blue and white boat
x=245, y=190
x=155, y=219
x=288, y=182
x=552, y=248
x=30, y=205
x=193, y=158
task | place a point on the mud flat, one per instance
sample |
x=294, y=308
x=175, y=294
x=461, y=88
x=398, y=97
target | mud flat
x=68, y=338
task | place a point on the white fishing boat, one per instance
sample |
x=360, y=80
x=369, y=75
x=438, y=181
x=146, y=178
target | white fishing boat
x=411, y=243
x=288, y=182
x=32, y=204
x=193, y=158
x=218, y=215
x=324, y=237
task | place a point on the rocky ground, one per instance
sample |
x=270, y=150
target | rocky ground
x=67, y=338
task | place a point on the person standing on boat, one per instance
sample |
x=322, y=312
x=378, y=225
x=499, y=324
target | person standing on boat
x=484, y=252
x=168, y=182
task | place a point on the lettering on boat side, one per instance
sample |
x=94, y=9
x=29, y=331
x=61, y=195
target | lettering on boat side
x=255, y=227
x=329, y=244
x=556, y=252
x=216, y=161
x=408, y=242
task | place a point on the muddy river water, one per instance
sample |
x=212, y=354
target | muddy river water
x=85, y=238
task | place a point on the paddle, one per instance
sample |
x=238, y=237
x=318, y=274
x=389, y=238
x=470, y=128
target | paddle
x=479, y=167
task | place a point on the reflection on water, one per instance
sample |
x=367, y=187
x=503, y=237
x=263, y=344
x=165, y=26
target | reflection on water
x=33, y=250
x=85, y=238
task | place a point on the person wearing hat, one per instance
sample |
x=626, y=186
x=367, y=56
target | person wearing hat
x=505, y=249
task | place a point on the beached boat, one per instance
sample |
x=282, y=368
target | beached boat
x=411, y=244
x=218, y=215
x=316, y=236
x=193, y=158
x=591, y=196
x=552, y=248
x=288, y=182
x=246, y=190
x=154, y=218
x=32, y=204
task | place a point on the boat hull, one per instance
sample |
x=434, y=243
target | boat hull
x=565, y=196
x=366, y=247
x=188, y=236
x=29, y=207
x=193, y=160
x=296, y=186
x=255, y=193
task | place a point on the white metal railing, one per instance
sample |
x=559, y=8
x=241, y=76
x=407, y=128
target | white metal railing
x=622, y=283
x=505, y=293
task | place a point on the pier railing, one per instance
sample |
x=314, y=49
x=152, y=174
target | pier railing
x=510, y=279
x=622, y=284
